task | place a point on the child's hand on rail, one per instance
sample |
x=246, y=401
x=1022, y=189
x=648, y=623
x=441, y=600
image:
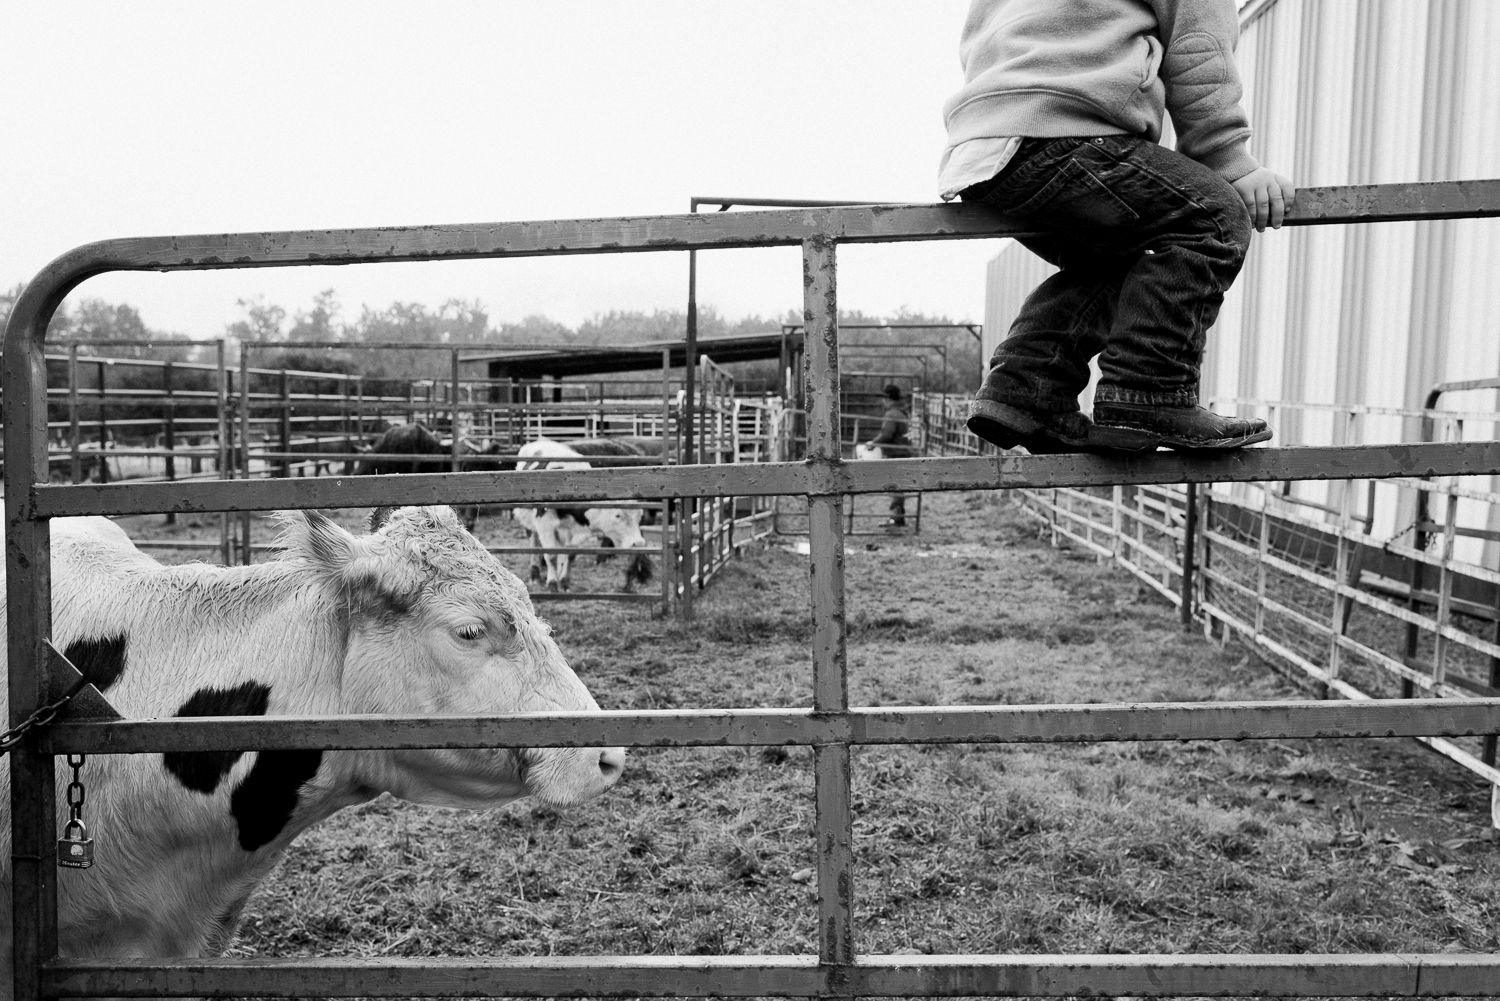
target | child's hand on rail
x=1266, y=194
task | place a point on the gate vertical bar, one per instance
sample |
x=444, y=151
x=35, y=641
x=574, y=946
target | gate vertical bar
x=28, y=585
x=75, y=474
x=169, y=430
x=103, y=419
x=835, y=829
x=286, y=421
x=1189, y=540
x=223, y=450
x=455, y=446
x=1445, y=593
x=244, y=447
x=1341, y=603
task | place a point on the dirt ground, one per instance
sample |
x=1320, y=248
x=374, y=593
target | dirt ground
x=1284, y=846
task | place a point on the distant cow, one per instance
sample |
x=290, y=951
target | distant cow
x=415, y=440
x=415, y=619
x=575, y=526
x=404, y=439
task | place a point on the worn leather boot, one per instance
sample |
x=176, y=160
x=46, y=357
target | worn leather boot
x=1040, y=434
x=1134, y=427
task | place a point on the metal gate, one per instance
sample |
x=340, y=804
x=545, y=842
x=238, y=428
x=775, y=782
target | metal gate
x=831, y=726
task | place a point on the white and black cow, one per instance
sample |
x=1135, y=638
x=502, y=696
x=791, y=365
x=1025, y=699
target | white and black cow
x=576, y=526
x=416, y=618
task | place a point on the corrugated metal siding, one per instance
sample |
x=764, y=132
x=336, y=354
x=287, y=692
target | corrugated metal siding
x=1352, y=92
x=1009, y=278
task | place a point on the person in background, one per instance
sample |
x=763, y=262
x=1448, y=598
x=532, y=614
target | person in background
x=894, y=443
x=1056, y=126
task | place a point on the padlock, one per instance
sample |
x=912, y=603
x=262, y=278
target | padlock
x=75, y=850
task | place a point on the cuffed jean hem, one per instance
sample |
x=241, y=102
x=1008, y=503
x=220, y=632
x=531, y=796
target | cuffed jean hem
x=1031, y=404
x=1104, y=393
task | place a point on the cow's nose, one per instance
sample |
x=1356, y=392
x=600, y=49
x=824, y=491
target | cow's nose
x=611, y=763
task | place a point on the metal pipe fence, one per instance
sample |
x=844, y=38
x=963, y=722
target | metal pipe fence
x=298, y=422
x=831, y=725
x=1357, y=612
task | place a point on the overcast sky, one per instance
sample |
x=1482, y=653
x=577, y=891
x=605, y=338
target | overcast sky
x=136, y=119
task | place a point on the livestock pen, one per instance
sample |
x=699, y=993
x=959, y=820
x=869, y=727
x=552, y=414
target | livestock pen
x=316, y=408
x=830, y=726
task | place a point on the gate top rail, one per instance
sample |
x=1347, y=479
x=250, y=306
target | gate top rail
x=843, y=224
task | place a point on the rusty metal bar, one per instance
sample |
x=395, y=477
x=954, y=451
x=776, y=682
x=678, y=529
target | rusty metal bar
x=1189, y=540
x=764, y=479
x=455, y=446
x=28, y=589
x=75, y=472
x=835, y=824
x=788, y=227
x=1051, y=724
x=1309, y=975
x=222, y=389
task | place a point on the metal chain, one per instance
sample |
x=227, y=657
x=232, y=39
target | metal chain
x=75, y=803
x=10, y=738
x=1426, y=544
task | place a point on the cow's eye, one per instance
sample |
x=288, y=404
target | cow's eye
x=472, y=631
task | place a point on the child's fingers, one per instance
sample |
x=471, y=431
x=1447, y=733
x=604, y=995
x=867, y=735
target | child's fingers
x=1278, y=206
x=1262, y=208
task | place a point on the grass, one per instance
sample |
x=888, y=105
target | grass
x=1295, y=846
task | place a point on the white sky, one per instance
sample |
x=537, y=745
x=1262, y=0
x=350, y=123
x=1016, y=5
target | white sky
x=136, y=119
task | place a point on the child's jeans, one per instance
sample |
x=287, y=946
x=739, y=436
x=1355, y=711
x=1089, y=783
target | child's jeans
x=1148, y=242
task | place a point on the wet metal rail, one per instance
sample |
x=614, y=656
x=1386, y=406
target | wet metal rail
x=830, y=725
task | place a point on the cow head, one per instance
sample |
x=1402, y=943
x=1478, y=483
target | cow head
x=435, y=624
x=620, y=528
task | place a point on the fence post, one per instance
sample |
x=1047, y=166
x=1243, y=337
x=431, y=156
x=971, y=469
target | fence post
x=223, y=392
x=245, y=555
x=76, y=474
x=835, y=834
x=103, y=430
x=1205, y=558
x=1116, y=518
x=286, y=421
x=1445, y=594
x=1189, y=541
x=169, y=430
x=1488, y=753
x=1260, y=565
x=1340, y=602
x=456, y=445
x=668, y=556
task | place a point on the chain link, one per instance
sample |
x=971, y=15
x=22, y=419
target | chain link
x=10, y=738
x=75, y=804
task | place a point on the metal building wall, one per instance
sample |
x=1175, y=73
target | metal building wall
x=1008, y=279
x=1356, y=92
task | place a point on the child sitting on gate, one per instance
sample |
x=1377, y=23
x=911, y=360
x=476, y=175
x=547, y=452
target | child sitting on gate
x=1056, y=126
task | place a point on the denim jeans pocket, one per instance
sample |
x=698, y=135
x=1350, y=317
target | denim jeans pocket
x=1074, y=197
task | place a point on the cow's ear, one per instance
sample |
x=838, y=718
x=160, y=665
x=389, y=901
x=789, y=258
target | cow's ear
x=319, y=540
x=369, y=584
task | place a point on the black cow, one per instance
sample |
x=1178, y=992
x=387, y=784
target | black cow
x=415, y=440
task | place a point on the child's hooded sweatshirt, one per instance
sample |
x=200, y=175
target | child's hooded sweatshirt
x=1042, y=68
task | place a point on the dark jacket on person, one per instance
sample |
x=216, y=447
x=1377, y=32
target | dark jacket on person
x=892, y=439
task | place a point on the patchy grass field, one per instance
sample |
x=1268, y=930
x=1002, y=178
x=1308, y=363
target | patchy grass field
x=1296, y=846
